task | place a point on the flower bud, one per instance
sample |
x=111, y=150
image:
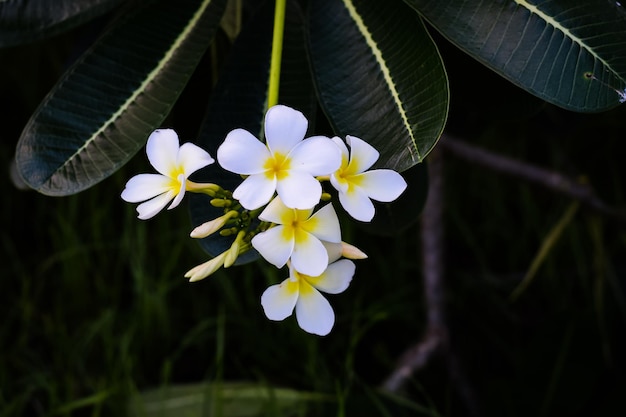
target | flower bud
x=221, y=202
x=352, y=252
x=233, y=252
x=210, y=227
x=204, y=270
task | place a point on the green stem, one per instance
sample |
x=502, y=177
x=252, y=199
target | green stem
x=277, y=50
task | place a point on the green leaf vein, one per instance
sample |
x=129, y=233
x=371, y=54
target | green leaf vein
x=554, y=23
x=354, y=14
x=149, y=79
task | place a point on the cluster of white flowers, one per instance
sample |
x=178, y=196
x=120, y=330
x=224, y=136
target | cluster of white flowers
x=282, y=188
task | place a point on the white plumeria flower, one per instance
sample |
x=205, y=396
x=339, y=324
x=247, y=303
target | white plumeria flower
x=175, y=164
x=357, y=186
x=288, y=163
x=302, y=292
x=297, y=236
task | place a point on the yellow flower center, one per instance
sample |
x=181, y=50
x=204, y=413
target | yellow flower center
x=348, y=175
x=277, y=166
x=297, y=224
x=176, y=177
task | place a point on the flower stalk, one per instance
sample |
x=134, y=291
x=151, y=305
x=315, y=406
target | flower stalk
x=277, y=51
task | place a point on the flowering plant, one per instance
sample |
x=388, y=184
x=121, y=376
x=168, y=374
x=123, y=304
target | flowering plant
x=281, y=189
x=371, y=67
x=263, y=185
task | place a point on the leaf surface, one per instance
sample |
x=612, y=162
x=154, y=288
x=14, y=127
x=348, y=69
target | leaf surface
x=570, y=53
x=30, y=20
x=105, y=106
x=379, y=77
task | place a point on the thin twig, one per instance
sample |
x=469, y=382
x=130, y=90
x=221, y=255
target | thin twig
x=552, y=180
x=435, y=336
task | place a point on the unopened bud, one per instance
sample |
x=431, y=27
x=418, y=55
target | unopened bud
x=210, y=227
x=221, y=202
x=204, y=270
x=228, y=232
x=233, y=252
x=352, y=252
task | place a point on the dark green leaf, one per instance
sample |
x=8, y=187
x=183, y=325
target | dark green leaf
x=239, y=100
x=30, y=20
x=105, y=106
x=379, y=77
x=239, y=399
x=570, y=53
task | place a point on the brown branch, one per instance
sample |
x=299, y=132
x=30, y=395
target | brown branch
x=435, y=336
x=552, y=180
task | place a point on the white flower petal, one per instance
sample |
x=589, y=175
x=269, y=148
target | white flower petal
x=313, y=312
x=336, y=278
x=255, y=191
x=340, y=184
x=277, y=212
x=362, y=155
x=273, y=246
x=357, y=204
x=150, y=208
x=324, y=224
x=345, y=154
x=284, y=128
x=180, y=193
x=242, y=153
x=162, y=150
x=192, y=157
x=309, y=255
x=299, y=190
x=279, y=300
x=382, y=184
x=316, y=155
x=145, y=186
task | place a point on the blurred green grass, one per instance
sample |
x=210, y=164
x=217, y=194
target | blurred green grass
x=97, y=319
